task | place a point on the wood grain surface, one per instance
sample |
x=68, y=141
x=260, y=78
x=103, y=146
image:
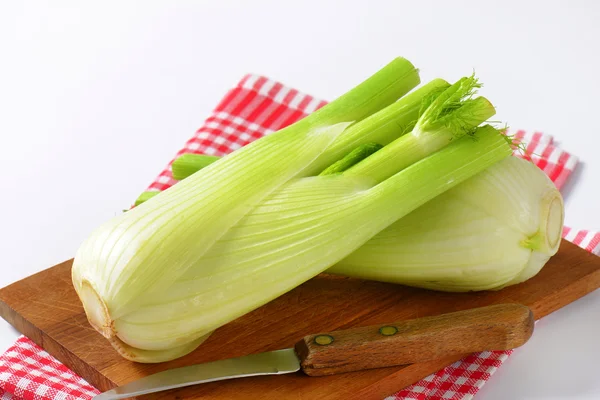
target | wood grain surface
x=496, y=327
x=45, y=308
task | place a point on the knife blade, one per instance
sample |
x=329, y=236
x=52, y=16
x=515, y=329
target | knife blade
x=270, y=363
x=497, y=327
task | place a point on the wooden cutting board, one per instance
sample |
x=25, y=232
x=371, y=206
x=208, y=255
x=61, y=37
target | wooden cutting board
x=45, y=308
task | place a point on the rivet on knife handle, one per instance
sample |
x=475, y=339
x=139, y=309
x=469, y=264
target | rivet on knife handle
x=499, y=327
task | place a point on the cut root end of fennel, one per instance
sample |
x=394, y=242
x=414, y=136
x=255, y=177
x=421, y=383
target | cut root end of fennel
x=554, y=222
x=96, y=310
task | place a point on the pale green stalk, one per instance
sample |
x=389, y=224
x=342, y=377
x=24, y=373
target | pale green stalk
x=187, y=164
x=496, y=229
x=291, y=229
x=296, y=233
x=355, y=156
x=136, y=255
x=145, y=196
x=382, y=127
x=251, y=226
x=449, y=116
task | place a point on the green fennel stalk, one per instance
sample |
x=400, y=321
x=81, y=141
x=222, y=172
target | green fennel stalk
x=300, y=225
x=106, y=270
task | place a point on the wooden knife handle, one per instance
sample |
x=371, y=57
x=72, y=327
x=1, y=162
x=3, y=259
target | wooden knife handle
x=498, y=327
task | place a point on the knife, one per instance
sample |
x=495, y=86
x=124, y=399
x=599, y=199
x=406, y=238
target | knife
x=497, y=327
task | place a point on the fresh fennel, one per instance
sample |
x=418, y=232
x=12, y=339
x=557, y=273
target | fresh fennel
x=497, y=229
x=137, y=256
x=106, y=266
x=291, y=234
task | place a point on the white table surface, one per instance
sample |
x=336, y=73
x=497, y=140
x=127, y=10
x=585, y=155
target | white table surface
x=94, y=100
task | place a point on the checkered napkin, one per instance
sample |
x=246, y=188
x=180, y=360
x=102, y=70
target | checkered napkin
x=253, y=108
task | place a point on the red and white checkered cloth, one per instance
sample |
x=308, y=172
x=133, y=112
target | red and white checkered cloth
x=253, y=108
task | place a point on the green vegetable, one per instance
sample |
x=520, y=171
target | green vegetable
x=295, y=233
x=448, y=117
x=498, y=228
x=134, y=258
x=157, y=280
x=145, y=197
x=445, y=114
x=186, y=164
x=381, y=127
x=468, y=238
x=356, y=155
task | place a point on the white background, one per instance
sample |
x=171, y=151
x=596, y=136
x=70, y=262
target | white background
x=96, y=98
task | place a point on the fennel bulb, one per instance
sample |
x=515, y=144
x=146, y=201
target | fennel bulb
x=291, y=236
x=496, y=229
x=156, y=280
